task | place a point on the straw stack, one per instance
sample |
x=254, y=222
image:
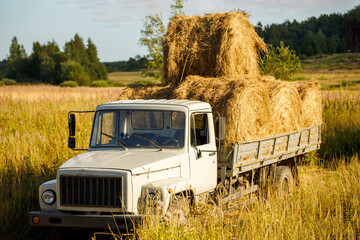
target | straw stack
x=254, y=108
x=147, y=92
x=214, y=45
x=311, y=103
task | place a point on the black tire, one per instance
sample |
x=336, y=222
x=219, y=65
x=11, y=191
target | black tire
x=284, y=180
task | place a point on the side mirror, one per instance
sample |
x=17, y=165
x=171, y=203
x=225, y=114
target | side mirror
x=72, y=125
x=220, y=128
x=71, y=142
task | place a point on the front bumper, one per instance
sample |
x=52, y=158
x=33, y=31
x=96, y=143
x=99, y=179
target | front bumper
x=60, y=219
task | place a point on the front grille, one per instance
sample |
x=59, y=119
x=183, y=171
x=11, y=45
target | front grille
x=91, y=191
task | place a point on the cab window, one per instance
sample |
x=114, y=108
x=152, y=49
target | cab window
x=199, y=129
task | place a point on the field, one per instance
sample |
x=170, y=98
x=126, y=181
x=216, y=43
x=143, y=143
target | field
x=126, y=78
x=334, y=72
x=325, y=205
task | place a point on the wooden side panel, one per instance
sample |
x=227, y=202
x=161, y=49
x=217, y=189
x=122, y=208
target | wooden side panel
x=249, y=155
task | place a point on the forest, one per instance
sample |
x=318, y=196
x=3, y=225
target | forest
x=326, y=34
x=48, y=64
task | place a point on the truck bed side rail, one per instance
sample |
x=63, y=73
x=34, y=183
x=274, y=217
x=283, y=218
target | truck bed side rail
x=249, y=155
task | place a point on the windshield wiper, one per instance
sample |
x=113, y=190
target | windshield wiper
x=114, y=138
x=145, y=139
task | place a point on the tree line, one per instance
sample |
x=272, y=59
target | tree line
x=48, y=64
x=136, y=63
x=327, y=34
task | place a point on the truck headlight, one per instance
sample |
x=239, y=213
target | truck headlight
x=48, y=196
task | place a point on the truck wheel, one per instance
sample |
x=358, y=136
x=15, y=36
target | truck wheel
x=284, y=179
x=179, y=209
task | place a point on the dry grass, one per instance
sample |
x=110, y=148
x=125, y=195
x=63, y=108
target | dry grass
x=127, y=78
x=214, y=45
x=33, y=143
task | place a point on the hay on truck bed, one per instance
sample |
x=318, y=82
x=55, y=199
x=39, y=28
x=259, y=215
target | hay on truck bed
x=311, y=102
x=254, y=107
x=147, y=92
x=244, y=103
x=214, y=45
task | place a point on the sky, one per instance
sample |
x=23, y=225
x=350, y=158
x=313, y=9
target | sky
x=114, y=25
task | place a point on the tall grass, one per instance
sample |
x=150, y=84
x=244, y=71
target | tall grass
x=33, y=143
x=341, y=131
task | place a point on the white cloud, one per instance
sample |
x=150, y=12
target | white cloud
x=116, y=12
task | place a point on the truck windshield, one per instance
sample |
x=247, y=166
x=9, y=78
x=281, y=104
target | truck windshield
x=138, y=128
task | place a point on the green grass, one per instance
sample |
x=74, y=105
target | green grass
x=345, y=61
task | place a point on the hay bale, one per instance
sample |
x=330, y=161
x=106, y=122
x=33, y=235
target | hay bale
x=147, y=92
x=285, y=107
x=311, y=103
x=214, y=45
x=244, y=102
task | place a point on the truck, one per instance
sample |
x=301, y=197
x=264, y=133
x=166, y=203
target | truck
x=157, y=156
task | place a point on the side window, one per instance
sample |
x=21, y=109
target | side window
x=199, y=130
x=106, y=128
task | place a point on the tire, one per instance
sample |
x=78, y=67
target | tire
x=284, y=180
x=179, y=209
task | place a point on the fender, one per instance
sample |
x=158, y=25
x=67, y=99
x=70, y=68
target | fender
x=165, y=189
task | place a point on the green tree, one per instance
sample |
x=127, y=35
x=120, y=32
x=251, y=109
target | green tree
x=75, y=50
x=177, y=7
x=16, y=59
x=45, y=62
x=153, y=37
x=73, y=71
x=280, y=62
x=96, y=69
x=86, y=56
x=352, y=29
x=321, y=41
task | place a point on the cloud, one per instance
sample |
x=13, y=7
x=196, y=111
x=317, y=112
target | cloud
x=113, y=13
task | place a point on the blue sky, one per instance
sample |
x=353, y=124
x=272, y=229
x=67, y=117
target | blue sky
x=114, y=25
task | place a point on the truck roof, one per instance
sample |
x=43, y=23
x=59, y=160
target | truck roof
x=191, y=105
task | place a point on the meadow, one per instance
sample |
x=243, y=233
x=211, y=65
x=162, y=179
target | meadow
x=325, y=205
x=128, y=78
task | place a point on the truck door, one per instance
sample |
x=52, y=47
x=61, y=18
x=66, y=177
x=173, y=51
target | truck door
x=203, y=155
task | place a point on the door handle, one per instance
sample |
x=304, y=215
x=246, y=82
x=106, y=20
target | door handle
x=212, y=154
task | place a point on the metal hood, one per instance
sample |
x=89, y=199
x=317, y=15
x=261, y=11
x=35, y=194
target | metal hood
x=137, y=161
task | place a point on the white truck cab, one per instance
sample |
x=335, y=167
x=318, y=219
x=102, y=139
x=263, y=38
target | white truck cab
x=137, y=148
